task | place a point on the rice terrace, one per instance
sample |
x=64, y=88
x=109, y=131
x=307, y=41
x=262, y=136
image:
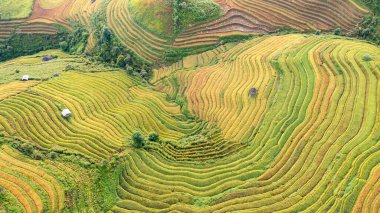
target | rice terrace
x=189, y=106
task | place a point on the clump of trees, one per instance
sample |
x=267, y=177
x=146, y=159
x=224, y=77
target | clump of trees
x=75, y=41
x=154, y=137
x=337, y=31
x=369, y=29
x=108, y=49
x=139, y=141
x=27, y=44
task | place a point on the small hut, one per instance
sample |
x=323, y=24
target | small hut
x=252, y=91
x=25, y=78
x=66, y=113
x=47, y=58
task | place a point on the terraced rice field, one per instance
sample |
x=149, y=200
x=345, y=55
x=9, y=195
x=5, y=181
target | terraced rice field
x=261, y=17
x=309, y=139
x=34, y=189
x=241, y=17
x=140, y=41
x=47, y=12
x=8, y=28
x=108, y=108
x=7, y=90
x=32, y=65
x=37, y=28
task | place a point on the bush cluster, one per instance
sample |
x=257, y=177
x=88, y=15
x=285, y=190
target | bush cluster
x=369, y=29
x=139, y=141
x=27, y=44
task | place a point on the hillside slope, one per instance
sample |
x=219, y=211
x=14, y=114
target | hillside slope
x=312, y=131
x=150, y=35
x=308, y=140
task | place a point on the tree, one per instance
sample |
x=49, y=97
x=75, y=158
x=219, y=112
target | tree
x=37, y=155
x=338, y=31
x=26, y=148
x=127, y=59
x=153, y=137
x=143, y=73
x=64, y=45
x=129, y=69
x=106, y=35
x=367, y=57
x=52, y=155
x=138, y=140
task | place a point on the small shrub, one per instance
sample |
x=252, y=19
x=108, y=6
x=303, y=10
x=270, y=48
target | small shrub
x=64, y=45
x=52, y=155
x=153, y=137
x=367, y=57
x=37, y=155
x=337, y=31
x=69, y=67
x=143, y=74
x=26, y=148
x=104, y=164
x=129, y=69
x=120, y=61
x=138, y=140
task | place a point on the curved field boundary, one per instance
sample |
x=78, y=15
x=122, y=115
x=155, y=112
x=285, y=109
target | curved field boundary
x=312, y=132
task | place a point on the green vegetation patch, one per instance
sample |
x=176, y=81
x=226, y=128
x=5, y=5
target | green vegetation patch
x=27, y=44
x=155, y=15
x=189, y=12
x=8, y=202
x=15, y=10
x=37, y=69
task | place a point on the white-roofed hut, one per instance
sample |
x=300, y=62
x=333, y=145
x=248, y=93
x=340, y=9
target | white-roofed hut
x=25, y=78
x=66, y=113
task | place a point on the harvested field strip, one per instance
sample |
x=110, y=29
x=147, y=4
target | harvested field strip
x=36, y=28
x=10, y=89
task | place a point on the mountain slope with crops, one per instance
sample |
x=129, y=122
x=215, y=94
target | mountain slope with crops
x=189, y=106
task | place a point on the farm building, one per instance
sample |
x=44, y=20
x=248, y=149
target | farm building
x=253, y=91
x=66, y=113
x=25, y=78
